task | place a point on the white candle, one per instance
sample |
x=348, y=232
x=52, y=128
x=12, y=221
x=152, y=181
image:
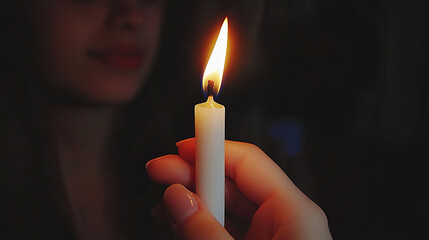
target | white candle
x=210, y=156
x=210, y=133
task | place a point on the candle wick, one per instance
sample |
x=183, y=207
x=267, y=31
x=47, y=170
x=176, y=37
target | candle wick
x=210, y=86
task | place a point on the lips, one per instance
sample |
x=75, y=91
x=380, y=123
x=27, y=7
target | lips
x=122, y=57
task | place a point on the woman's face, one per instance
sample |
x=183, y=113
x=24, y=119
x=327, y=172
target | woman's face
x=97, y=51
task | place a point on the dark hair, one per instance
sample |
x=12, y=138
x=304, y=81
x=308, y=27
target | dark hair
x=21, y=129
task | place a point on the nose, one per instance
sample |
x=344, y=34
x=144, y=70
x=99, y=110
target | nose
x=126, y=15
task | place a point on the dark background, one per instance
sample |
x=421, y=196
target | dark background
x=335, y=91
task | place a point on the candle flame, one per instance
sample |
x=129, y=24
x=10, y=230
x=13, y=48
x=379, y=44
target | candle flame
x=216, y=63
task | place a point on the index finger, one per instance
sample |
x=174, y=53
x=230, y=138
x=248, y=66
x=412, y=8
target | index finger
x=256, y=175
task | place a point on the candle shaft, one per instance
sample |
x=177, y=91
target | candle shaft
x=210, y=156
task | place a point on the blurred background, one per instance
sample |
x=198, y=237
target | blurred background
x=335, y=91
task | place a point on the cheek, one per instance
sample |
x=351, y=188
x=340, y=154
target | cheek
x=151, y=31
x=67, y=33
x=153, y=24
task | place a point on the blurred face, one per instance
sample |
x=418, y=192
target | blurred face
x=97, y=51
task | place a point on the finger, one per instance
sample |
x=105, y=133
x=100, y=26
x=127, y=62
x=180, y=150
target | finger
x=237, y=204
x=158, y=211
x=170, y=169
x=186, y=149
x=191, y=217
x=161, y=221
x=255, y=174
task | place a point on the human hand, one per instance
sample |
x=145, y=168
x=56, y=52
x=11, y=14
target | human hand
x=261, y=201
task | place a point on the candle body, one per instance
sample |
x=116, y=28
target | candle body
x=210, y=156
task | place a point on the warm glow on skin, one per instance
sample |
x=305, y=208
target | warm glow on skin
x=216, y=63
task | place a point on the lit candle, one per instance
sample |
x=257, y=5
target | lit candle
x=210, y=133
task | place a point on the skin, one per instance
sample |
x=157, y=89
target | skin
x=84, y=92
x=258, y=192
x=67, y=30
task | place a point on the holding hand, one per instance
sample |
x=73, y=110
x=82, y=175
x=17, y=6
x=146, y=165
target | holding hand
x=261, y=201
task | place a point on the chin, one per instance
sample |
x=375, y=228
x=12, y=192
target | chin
x=105, y=95
x=97, y=87
x=115, y=97
x=113, y=91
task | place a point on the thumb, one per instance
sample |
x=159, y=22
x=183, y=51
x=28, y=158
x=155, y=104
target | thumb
x=192, y=218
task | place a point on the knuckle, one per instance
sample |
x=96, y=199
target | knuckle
x=317, y=213
x=206, y=231
x=244, y=146
x=252, y=147
x=213, y=232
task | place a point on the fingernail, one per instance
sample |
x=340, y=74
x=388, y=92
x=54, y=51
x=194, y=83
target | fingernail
x=148, y=163
x=151, y=161
x=182, y=141
x=180, y=203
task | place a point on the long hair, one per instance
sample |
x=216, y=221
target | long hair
x=21, y=130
